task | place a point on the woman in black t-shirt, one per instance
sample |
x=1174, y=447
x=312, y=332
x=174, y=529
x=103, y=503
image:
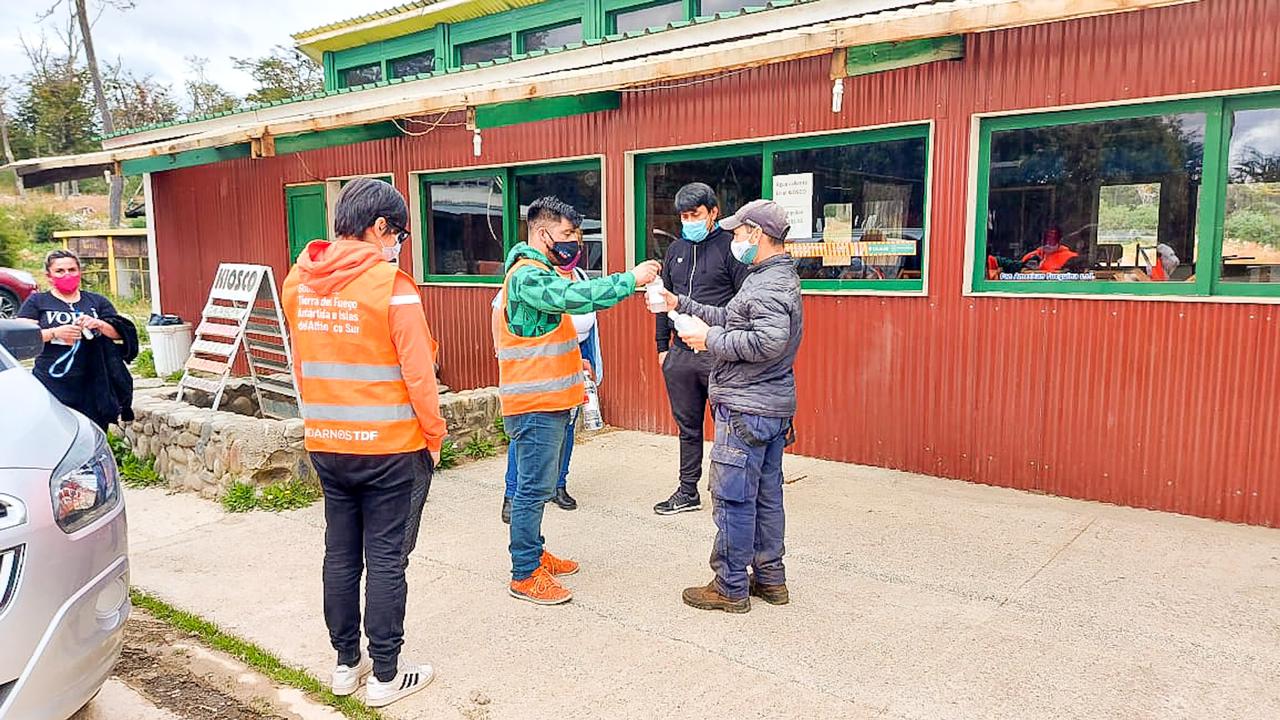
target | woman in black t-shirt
x=69, y=318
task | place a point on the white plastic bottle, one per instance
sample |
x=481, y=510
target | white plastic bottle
x=591, y=417
x=681, y=321
x=655, y=296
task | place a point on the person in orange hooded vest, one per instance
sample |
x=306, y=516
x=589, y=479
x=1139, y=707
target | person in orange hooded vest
x=540, y=377
x=364, y=363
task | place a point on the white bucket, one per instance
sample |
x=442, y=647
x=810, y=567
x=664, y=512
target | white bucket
x=171, y=346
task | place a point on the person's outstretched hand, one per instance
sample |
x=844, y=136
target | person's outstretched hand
x=646, y=271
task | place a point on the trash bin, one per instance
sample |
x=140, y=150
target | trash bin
x=171, y=346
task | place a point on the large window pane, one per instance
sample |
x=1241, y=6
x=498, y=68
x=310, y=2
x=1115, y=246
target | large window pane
x=1114, y=200
x=582, y=190
x=361, y=75
x=1251, y=230
x=411, y=65
x=647, y=17
x=465, y=231
x=857, y=211
x=484, y=50
x=711, y=7
x=737, y=181
x=551, y=37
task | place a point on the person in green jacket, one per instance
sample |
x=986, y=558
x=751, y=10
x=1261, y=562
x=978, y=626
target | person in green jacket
x=536, y=299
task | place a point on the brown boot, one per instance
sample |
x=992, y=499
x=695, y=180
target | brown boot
x=772, y=594
x=709, y=598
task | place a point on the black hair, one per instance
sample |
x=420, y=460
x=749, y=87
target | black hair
x=362, y=201
x=59, y=255
x=693, y=195
x=552, y=209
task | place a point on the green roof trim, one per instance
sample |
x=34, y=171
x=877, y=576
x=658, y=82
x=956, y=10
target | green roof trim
x=526, y=111
x=184, y=159
x=333, y=138
x=879, y=57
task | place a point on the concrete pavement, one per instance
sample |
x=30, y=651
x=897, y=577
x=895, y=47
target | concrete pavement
x=911, y=598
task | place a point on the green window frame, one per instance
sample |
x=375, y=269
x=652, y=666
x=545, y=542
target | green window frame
x=385, y=52
x=1211, y=202
x=767, y=150
x=510, y=209
x=613, y=8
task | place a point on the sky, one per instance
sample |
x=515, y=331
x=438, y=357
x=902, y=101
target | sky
x=156, y=36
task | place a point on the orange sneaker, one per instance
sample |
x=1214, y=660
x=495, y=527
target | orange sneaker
x=540, y=588
x=558, y=566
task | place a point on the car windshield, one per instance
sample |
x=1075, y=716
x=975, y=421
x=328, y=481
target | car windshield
x=6, y=362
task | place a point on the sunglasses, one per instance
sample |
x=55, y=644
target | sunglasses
x=402, y=234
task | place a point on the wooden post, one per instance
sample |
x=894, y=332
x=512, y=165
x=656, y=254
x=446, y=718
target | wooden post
x=111, y=266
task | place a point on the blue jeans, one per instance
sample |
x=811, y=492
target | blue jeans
x=746, y=495
x=565, y=455
x=538, y=439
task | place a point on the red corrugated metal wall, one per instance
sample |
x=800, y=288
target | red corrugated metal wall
x=1162, y=405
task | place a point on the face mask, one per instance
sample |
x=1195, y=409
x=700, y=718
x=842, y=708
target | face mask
x=563, y=253
x=67, y=284
x=695, y=231
x=392, y=254
x=572, y=264
x=744, y=251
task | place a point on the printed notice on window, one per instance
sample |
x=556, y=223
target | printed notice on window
x=795, y=194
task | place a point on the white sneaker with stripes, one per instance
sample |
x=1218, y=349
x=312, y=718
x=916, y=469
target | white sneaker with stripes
x=346, y=680
x=408, y=681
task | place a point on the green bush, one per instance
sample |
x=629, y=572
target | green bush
x=135, y=472
x=12, y=238
x=448, y=455
x=500, y=431
x=287, y=495
x=239, y=497
x=479, y=448
x=145, y=364
x=1252, y=225
x=45, y=224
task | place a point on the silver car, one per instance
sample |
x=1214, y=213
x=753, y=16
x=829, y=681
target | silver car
x=64, y=567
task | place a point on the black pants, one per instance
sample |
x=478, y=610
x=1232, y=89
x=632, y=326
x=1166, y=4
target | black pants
x=368, y=503
x=688, y=377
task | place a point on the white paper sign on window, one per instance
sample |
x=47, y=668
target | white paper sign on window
x=795, y=194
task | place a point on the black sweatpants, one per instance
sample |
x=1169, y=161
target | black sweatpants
x=369, y=501
x=688, y=378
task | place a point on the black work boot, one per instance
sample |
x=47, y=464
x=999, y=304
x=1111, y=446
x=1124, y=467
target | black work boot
x=708, y=597
x=506, y=510
x=564, y=500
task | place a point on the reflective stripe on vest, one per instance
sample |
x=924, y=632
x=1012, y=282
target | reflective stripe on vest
x=358, y=408
x=537, y=374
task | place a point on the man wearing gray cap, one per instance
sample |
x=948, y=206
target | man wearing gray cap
x=753, y=341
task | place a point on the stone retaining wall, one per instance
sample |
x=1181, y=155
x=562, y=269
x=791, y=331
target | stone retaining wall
x=203, y=451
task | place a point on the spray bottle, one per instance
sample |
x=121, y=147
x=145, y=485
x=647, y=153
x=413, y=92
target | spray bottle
x=591, y=417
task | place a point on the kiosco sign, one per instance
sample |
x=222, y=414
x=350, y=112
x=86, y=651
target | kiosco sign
x=237, y=282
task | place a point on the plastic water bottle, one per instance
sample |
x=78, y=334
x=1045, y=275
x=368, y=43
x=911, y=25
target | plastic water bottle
x=655, y=296
x=591, y=417
x=681, y=321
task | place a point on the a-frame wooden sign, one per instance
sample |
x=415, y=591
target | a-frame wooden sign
x=243, y=310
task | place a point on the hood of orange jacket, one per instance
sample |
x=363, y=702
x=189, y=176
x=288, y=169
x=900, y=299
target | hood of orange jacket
x=327, y=267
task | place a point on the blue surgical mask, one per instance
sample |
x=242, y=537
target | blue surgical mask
x=744, y=251
x=695, y=231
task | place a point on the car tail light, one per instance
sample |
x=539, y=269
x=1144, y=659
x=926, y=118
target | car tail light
x=10, y=570
x=86, y=484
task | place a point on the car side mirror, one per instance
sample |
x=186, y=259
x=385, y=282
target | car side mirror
x=21, y=338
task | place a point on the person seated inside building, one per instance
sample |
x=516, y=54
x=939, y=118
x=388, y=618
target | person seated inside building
x=1052, y=256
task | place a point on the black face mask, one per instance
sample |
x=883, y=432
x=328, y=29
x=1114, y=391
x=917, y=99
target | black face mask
x=563, y=253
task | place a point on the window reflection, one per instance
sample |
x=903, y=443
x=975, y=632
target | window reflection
x=484, y=50
x=552, y=37
x=1251, y=225
x=647, y=17
x=411, y=65
x=582, y=190
x=1115, y=200
x=465, y=235
x=362, y=75
x=736, y=180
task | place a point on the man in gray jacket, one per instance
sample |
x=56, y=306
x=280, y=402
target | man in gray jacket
x=753, y=341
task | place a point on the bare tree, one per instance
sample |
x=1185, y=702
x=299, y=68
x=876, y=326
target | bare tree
x=4, y=137
x=108, y=126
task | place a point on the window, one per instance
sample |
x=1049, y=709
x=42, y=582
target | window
x=857, y=211
x=580, y=186
x=707, y=8
x=550, y=37
x=361, y=75
x=737, y=179
x=656, y=15
x=465, y=234
x=484, y=50
x=1171, y=198
x=411, y=65
x=858, y=202
x=474, y=218
x=1251, y=222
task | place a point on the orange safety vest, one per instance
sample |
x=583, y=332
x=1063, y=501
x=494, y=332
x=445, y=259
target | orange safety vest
x=353, y=397
x=536, y=374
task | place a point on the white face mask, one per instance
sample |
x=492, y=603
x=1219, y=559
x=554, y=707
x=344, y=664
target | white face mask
x=392, y=254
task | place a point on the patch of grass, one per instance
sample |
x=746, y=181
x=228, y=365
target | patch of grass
x=239, y=497
x=145, y=364
x=174, y=376
x=500, y=431
x=479, y=448
x=449, y=454
x=252, y=655
x=135, y=472
x=287, y=495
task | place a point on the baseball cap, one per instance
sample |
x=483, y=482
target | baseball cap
x=764, y=214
